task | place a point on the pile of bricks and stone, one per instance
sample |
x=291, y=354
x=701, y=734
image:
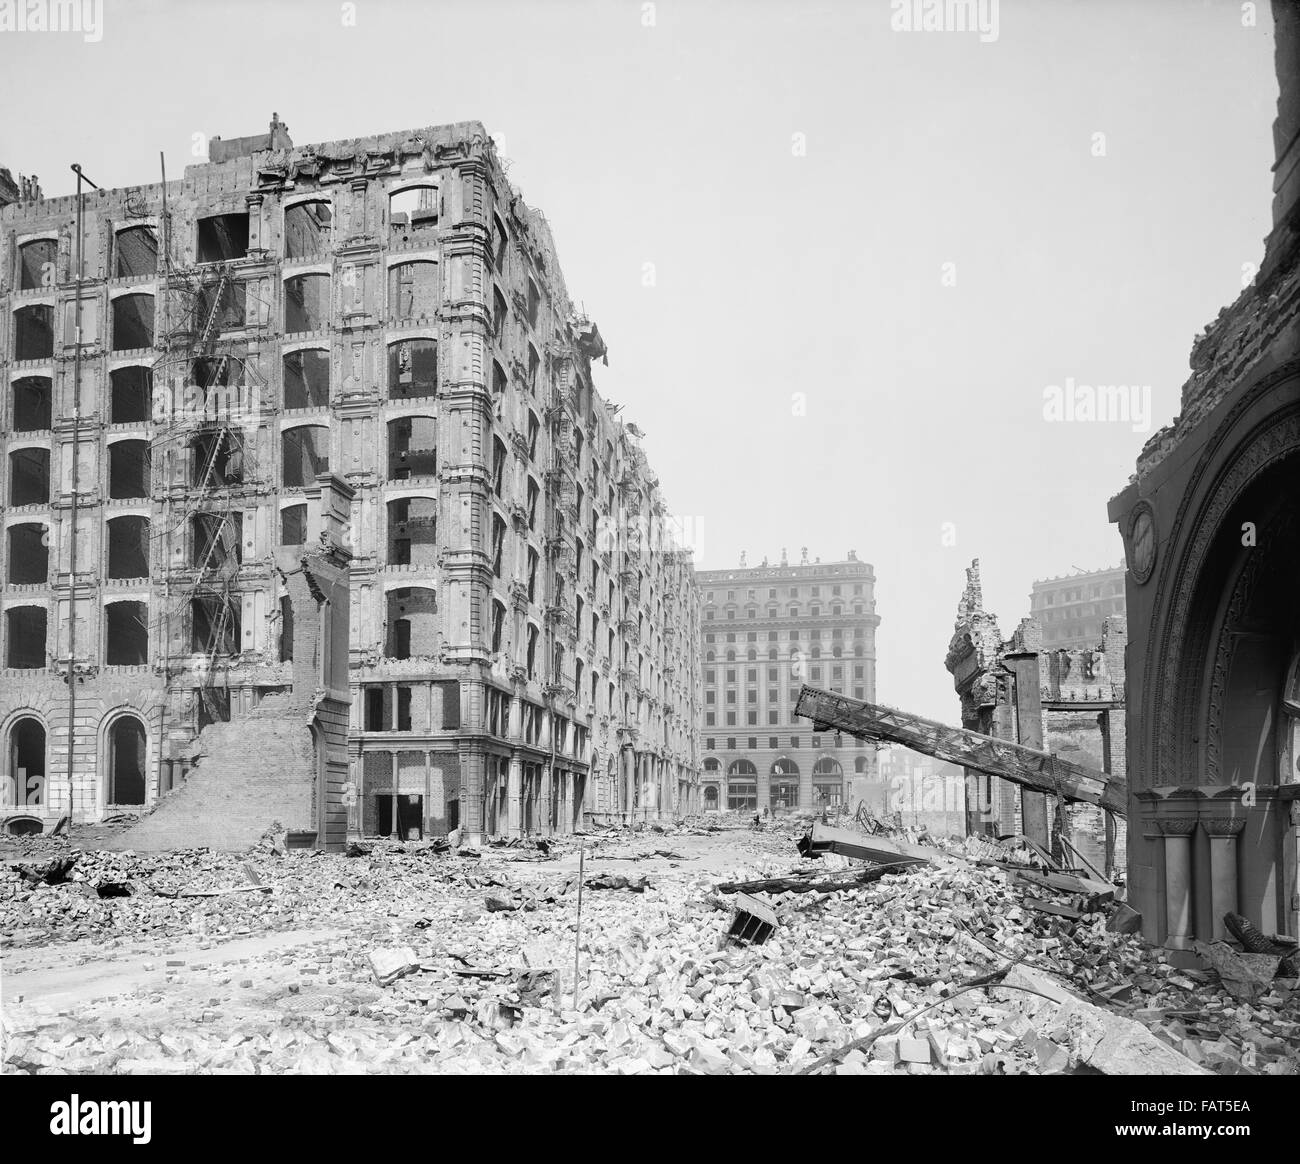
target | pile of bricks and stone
x=404, y=959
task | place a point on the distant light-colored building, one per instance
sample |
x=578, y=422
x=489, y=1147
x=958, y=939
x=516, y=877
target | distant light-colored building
x=1072, y=608
x=768, y=630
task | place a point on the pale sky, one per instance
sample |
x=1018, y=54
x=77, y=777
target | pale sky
x=798, y=174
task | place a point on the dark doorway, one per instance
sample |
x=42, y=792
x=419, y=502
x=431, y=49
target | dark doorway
x=126, y=760
x=410, y=817
x=27, y=762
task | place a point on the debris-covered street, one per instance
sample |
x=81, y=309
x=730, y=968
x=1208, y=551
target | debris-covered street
x=412, y=957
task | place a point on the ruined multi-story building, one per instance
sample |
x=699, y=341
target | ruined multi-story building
x=382, y=323
x=768, y=630
x=1068, y=702
x=1071, y=609
x=1211, y=527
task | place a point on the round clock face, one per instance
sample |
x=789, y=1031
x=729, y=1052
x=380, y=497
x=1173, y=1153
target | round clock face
x=1142, y=544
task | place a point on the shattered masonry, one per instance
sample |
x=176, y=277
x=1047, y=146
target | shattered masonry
x=364, y=350
x=1068, y=702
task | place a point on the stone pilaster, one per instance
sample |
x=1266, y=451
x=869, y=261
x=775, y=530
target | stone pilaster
x=1177, y=832
x=1223, y=833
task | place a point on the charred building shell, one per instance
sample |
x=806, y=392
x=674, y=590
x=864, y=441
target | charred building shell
x=380, y=322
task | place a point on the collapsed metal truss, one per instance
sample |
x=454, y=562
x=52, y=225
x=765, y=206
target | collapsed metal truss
x=1024, y=766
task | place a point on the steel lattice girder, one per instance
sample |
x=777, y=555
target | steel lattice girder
x=1010, y=761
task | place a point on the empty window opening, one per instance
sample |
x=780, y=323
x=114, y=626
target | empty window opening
x=36, y=264
x=127, y=749
x=305, y=454
x=26, y=775
x=498, y=623
x=33, y=404
x=214, y=619
x=220, y=306
x=499, y=310
x=306, y=303
x=307, y=379
x=307, y=229
x=222, y=237
x=214, y=706
x=128, y=469
x=498, y=542
x=412, y=368
x=498, y=465
x=130, y=395
x=413, y=291
x=286, y=627
x=534, y=302
x=215, y=372
x=532, y=651
x=132, y=322
x=413, y=213
x=375, y=721
x=413, y=532
x=412, y=623
x=412, y=447
x=216, y=459
x=499, y=380
x=25, y=637
x=534, y=491
x=34, y=332
x=136, y=252
x=293, y=525
x=534, y=364
x=29, y=554
x=128, y=547
x=29, y=477
x=126, y=634
x=403, y=709
x=498, y=244
x=217, y=541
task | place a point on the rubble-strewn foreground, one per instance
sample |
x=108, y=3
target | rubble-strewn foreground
x=406, y=959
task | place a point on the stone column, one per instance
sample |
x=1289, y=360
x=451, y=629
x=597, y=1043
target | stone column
x=393, y=769
x=1177, y=832
x=515, y=797
x=1223, y=834
x=428, y=814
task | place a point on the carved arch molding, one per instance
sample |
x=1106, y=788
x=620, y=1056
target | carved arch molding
x=1176, y=662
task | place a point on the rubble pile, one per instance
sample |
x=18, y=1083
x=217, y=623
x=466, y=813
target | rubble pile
x=405, y=959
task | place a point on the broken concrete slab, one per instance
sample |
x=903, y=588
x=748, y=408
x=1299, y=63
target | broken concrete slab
x=878, y=849
x=1245, y=976
x=392, y=963
x=1125, y=920
x=1103, y=1040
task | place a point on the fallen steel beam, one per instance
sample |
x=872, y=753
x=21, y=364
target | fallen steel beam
x=876, y=849
x=1024, y=766
x=811, y=881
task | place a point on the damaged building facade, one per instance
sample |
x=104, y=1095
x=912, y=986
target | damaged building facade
x=1211, y=527
x=768, y=629
x=375, y=328
x=1068, y=702
x=1072, y=608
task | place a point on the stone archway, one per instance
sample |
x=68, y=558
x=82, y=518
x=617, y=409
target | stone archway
x=1220, y=665
x=28, y=750
x=127, y=767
